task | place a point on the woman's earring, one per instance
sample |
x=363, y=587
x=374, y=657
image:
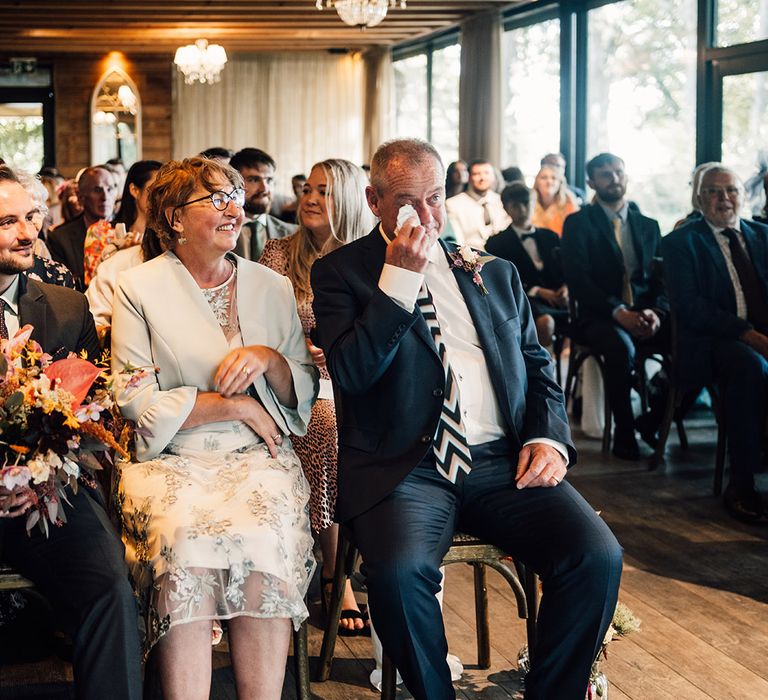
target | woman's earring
x=182, y=239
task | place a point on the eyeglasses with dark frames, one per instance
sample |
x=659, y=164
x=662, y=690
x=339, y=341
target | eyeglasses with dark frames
x=219, y=199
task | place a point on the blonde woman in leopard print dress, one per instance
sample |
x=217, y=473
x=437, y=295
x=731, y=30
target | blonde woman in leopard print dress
x=332, y=211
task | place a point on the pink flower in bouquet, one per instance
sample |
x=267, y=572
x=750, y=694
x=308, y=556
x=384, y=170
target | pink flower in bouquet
x=74, y=375
x=11, y=477
x=90, y=412
x=12, y=348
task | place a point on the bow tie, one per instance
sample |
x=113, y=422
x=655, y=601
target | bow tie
x=525, y=236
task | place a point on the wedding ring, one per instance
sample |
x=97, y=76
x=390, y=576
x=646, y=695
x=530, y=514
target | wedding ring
x=556, y=480
x=277, y=437
x=246, y=371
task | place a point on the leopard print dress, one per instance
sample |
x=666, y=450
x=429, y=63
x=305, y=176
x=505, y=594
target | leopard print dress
x=318, y=449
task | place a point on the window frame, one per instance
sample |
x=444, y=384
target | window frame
x=37, y=95
x=427, y=47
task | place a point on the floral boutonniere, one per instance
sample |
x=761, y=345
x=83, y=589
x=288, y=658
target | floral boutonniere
x=470, y=261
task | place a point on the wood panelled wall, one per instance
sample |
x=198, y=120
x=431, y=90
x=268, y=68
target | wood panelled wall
x=75, y=77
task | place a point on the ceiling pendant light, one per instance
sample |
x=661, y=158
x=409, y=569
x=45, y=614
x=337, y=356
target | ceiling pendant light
x=200, y=62
x=361, y=13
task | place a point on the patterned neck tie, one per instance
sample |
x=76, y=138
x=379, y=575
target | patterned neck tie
x=626, y=287
x=754, y=294
x=3, y=327
x=450, y=443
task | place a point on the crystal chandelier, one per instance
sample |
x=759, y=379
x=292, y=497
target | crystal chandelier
x=361, y=13
x=200, y=62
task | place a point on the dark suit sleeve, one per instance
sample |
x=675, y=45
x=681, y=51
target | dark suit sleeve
x=694, y=309
x=577, y=267
x=54, y=244
x=88, y=340
x=545, y=415
x=359, y=339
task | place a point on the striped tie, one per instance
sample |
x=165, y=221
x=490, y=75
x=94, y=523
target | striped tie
x=450, y=443
x=3, y=327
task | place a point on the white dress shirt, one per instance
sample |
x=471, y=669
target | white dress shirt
x=529, y=244
x=11, y=298
x=467, y=214
x=483, y=420
x=725, y=249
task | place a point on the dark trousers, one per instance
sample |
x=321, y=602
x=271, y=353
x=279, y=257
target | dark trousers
x=619, y=349
x=741, y=375
x=554, y=531
x=80, y=569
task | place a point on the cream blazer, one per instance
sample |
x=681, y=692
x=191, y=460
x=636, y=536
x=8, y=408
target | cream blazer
x=161, y=318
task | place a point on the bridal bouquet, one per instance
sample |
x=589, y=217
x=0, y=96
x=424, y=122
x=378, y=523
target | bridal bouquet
x=56, y=418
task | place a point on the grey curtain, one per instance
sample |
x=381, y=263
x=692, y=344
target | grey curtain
x=379, y=100
x=480, y=88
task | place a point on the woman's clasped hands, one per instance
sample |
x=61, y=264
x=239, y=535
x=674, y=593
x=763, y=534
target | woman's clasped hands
x=235, y=374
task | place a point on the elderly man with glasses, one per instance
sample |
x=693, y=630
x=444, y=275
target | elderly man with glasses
x=96, y=192
x=717, y=277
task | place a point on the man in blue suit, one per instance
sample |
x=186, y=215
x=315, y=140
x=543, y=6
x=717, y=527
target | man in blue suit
x=450, y=419
x=717, y=276
x=607, y=252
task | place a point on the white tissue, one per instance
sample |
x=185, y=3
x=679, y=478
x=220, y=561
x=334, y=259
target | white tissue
x=406, y=212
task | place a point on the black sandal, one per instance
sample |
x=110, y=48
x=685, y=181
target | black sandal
x=346, y=614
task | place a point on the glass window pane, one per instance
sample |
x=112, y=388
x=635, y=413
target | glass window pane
x=446, y=68
x=411, y=96
x=741, y=21
x=642, y=99
x=531, y=126
x=21, y=135
x=745, y=129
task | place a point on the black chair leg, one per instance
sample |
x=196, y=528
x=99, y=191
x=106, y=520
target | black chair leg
x=152, y=689
x=346, y=554
x=482, y=622
x=719, y=459
x=301, y=663
x=666, y=424
x=388, y=678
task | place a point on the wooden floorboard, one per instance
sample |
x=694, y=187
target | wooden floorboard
x=696, y=579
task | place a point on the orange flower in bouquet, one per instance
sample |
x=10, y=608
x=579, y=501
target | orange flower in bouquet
x=55, y=418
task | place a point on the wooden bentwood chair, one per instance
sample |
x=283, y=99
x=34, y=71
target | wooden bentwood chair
x=464, y=549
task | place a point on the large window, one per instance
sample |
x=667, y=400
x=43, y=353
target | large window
x=427, y=97
x=531, y=126
x=642, y=98
x=21, y=135
x=740, y=21
x=411, y=87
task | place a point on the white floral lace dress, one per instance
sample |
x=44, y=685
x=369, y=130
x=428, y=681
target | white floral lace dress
x=214, y=527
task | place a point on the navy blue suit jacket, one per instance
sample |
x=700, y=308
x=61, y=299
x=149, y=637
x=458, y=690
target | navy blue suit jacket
x=701, y=292
x=508, y=245
x=389, y=380
x=594, y=266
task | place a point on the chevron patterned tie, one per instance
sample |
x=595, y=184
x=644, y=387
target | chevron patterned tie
x=450, y=443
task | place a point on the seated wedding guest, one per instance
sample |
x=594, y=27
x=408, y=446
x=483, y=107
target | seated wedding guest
x=285, y=209
x=133, y=210
x=512, y=174
x=717, y=274
x=558, y=161
x=101, y=290
x=450, y=417
x=70, y=205
x=78, y=567
x=477, y=214
x=607, y=254
x=332, y=212
x=257, y=169
x=43, y=268
x=96, y=193
x=215, y=507
x=456, y=178
x=533, y=251
x=554, y=201
x=695, y=213
x=219, y=153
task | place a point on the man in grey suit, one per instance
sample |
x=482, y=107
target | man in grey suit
x=258, y=171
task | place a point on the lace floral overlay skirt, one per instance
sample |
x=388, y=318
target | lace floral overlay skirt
x=213, y=532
